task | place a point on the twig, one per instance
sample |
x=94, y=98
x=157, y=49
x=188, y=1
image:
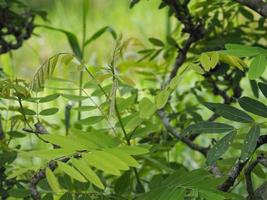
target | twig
x=195, y=30
x=177, y=135
x=238, y=167
x=36, y=178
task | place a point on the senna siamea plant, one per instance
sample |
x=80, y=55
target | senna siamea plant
x=184, y=118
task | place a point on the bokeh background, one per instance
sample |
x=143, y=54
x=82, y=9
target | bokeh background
x=140, y=23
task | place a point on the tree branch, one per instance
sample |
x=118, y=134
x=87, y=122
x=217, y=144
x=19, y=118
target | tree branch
x=195, y=30
x=258, y=6
x=36, y=178
x=174, y=133
x=238, y=167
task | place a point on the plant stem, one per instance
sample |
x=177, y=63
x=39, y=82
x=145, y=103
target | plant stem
x=85, y=6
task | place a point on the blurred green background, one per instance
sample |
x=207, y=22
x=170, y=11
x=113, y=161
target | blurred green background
x=141, y=22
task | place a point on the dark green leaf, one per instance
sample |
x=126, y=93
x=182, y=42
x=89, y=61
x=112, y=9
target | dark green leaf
x=250, y=143
x=263, y=88
x=49, y=111
x=254, y=88
x=220, y=147
x=208, y=127
x=156, y=42
x=253, y=106
x=229, y=112
x=49, y=98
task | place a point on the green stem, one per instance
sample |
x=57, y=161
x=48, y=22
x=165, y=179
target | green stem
x=85, y=6
x=23, y=114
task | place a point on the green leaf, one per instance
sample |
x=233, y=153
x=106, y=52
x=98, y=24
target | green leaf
x=250, y=143
x=133, y=150
x=232, y=61
x=100, y=32
x=85, y=108
x=205, y=61
x=27, y=111
x=108, y=163
x=146, y=108
x=88, y=173
x=253, y=106
x=220, y=147
x=229, y=112
x=71, y=142
x=162, y=98
x=156, y=42
x=257, y=67
x=49, y=111
x=49, y=98
x=70, y=171
x=208, y=127
x=52, y=180
x=240, y=50
x=254, y=88
x=263, y=88
x=209, y=61
x=129, y=160
x=209, y=194
x=91, y=120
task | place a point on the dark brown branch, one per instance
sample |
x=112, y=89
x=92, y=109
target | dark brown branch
x=195, y=30
x=174, y=133
x=258, y=6
x=36, y=178
x=238, y=167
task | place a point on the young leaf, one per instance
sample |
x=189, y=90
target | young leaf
x=253, y=106
x=70, y=171
x=109, y=163
x=52, y=180
x=129, y=160
x=220, y=147
x=257, y=67
x=250, y=143
x=162, y=98
x=229, y=112
x=205, y=61
x=146, y=108
x=49, y=111
x=208, y=127
x=263, y=88
x=88, y=173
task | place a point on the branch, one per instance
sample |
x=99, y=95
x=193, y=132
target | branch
x=36, y=178
x=174, y=133
x=258, y=6
x=195, y=30
x=238, y=167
